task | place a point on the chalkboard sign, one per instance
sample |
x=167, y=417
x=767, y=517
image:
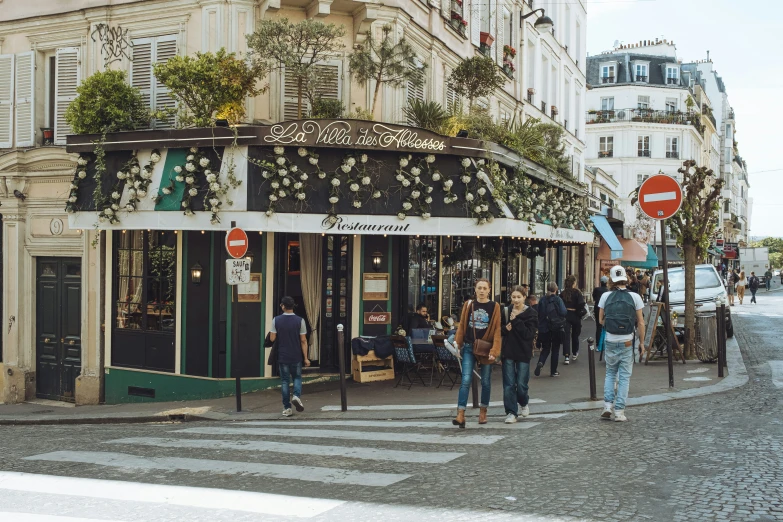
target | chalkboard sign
x=652, y=323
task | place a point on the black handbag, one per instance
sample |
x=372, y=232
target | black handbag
x=272, y=359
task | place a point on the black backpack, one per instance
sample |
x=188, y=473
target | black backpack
x=620, y=313
x=554, y=320
x=753, y=282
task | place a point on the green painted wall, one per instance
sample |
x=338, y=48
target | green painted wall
x=173, y=387
x=172, y=201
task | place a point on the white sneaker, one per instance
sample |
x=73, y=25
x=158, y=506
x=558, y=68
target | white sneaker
x=297, y=402
x=608, y=410
x=619, y=416
x=510, y=418
x=288, y=412
x=566, y=360
x=524, y=412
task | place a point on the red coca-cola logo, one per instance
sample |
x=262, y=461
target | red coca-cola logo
x=377, y=318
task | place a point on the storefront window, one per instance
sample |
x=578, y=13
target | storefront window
x=146, y=278
x=423, y=274
x=462, y=267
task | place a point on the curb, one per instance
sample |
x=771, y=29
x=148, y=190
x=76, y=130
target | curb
x=737, y=376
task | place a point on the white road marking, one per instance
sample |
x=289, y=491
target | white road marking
x=697, y=379
x=384, y=407
x=419, y=438
x=221, y=499
x=777, y=373
x=424, y=457
x=33, y=517
x=698, y=370
x=225, y=467
x=441, y=425
x=660, y=196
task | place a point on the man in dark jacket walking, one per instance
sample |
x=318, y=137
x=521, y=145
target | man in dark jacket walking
x=291, y=334
x=551, y=326
x=519, y=333
x=753, y=284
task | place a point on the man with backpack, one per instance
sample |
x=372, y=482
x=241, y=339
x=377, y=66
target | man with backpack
x=551, y=328
x=620, y=311
x=753, y=283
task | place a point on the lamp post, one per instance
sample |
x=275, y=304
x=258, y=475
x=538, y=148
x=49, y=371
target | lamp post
x=542, y=23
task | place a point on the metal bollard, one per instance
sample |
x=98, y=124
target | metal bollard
x=341, y=361
x=721, y=327
x=591, y=365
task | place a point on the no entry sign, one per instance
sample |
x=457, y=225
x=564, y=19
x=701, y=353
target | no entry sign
x=236, y=243
x=660, y=196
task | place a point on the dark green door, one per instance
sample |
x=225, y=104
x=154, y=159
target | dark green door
x=58, y=326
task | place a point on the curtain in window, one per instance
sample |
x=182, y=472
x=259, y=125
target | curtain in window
x=130, y=269
x=311, y=276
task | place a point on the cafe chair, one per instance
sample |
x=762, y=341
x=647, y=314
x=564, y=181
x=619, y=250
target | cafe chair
x=449, y=363
x=406, y=360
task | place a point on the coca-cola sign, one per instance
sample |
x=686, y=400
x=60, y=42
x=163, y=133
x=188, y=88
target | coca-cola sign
x=377, y=317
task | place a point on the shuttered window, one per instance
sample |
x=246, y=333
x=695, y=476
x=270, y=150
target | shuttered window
x=67, y=78
x=6, y=99
x=146, y=52
x=451, y=98
x=328, y=87
x=25, y=104
x=475, y=22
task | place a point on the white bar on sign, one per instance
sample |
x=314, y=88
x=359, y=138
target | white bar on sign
x=194, y=497
x=236, y=242
x=418, y=438
x=660, y=196
x=421, y=457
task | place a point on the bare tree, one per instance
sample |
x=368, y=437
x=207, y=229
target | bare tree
x=297, y=48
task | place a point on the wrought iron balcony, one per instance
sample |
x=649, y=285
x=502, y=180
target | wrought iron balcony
x=640, y=78
x=645, y=116
x=644, y=153
x=673, y=154
x=672, y=81
x=606, y=153
x=607, y=79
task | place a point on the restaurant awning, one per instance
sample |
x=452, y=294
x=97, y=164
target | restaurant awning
x=603, y=228
x=650, y=262
x=632, y=251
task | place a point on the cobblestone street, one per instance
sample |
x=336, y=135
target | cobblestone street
x=716, y=457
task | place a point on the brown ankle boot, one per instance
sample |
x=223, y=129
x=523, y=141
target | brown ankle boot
x=482, y=415
x=460, y=420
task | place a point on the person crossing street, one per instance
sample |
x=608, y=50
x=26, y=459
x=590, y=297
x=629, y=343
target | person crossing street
x=290, y=332
x=753, y=284
x=768, y=279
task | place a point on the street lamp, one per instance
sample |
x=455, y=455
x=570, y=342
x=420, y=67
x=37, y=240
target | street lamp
x=543, y=23
x=195, y=274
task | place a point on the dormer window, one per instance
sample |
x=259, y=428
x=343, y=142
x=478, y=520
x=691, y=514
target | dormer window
x=672, y=75
x=640, y=71
x=608, y=73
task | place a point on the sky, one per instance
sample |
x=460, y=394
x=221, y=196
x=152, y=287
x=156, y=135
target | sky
x=745, y=40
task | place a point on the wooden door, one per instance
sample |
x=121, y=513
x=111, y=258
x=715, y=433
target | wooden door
x=58, y=327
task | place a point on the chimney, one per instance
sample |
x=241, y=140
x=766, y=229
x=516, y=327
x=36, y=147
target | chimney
x=708, y=55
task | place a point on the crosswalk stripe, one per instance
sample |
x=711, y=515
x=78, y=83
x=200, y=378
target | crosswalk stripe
x=521, y=425
x=35, y=517
x=777, y=373
x=194, y=497
x=224, y=467
x=418, y=438
x=424, y=457
x=385, y=407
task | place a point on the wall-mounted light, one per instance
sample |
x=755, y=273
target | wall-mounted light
x=250, y=257
x=377, y=259
x=195, y=274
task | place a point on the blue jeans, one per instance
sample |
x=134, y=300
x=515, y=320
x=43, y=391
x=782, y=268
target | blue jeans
x=619, y=366
x=468, y=363
x=516, y=375
x=768, y=283
x=286, y=372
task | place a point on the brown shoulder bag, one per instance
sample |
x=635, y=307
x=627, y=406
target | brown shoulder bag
x=481, y=348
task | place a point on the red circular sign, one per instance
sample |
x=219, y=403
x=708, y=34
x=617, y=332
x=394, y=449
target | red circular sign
x=236, y=243
x=660, y=196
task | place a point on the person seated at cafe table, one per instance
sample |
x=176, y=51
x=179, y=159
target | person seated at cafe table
x=420, y=319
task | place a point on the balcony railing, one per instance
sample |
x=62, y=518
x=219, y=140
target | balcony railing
x=606, y=153
x=672, y=81
x=644, y=153
x=645, y=116
x=607, y=79
x=672, y=154
x=640, y=78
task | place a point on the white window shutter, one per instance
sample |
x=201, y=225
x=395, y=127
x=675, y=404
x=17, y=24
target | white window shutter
x=6, y=99
x=25, y=104
x=329, y=87
x=165, y=49
x=291, y=97
x=141, y=69
x=67, y=77
x=499, y=33
x=475, y=22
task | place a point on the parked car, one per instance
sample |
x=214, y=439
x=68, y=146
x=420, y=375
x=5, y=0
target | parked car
x=709, y=286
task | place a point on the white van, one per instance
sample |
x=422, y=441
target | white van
x=708, y=287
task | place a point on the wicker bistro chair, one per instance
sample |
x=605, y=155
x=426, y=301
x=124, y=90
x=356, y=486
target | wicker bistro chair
x=406, y=359
x=450, y=364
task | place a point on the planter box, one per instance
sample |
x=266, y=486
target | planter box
x=487, y=39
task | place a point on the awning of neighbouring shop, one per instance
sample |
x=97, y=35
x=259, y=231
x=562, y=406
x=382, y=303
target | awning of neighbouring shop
x=650, y=262
x=716, y=251
x=673, y=254
x=632, y=251
x=605, y=229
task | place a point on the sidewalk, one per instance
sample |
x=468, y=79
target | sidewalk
x=380, y=400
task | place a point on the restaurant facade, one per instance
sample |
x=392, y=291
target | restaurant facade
x=358, y=221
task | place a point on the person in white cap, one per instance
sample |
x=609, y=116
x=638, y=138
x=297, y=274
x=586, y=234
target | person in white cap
x=620, y=311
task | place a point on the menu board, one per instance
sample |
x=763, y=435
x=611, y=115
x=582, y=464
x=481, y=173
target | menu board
x=376, y=287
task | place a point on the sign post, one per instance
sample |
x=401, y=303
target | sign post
x=237, y=271
x=660, y=197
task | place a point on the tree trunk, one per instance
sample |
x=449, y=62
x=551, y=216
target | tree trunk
x=375, y=95
x=299, y=98
x=689, y=250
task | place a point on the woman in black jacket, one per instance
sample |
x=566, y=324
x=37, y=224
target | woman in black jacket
x=519, y=334
x=575, y=307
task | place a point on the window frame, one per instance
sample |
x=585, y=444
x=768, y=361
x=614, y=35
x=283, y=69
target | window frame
x=606, y=146
x=672, y=147
x=675, y=76
x=639, y=102
x=605, y=70
x=640, y=71
x=672, y=104
x=643, y=146
x=605, y=102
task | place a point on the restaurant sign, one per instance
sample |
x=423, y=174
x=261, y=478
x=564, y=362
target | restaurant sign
x=353, y=134
x=377, y=317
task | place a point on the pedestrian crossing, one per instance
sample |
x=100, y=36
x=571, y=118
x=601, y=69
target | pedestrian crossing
x=366, y=454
